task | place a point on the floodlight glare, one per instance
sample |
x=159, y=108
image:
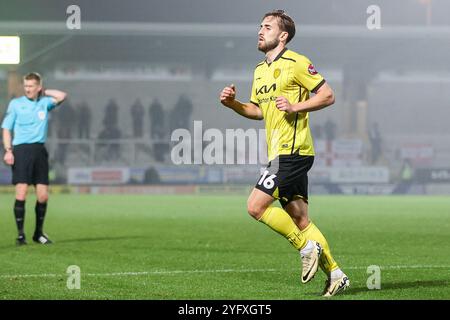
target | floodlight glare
x=9, y=50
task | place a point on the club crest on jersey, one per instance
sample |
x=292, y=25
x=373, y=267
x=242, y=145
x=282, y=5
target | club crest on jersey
x=41, y=115
x=312, y=70
x=276, y=73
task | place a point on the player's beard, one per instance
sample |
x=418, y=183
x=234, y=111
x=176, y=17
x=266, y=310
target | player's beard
x=266, y=46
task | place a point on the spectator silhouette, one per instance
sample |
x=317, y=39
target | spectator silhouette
x=375, y=142
x=84, y=120
x=406, y=178
x=111, y=118
x=65, y=117
x=156, y=113
x=316, y=131
x=185, y=106
x=181, y=113
x=158, y=131
x=111, y=133
x=151, y=176
x=137, y=117
x=329, y=129
x=51, y=124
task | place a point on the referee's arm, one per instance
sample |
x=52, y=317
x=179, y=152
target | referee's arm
x=7, y=144
x=56, y=95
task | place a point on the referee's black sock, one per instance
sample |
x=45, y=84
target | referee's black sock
x=19, y=213
x=40, y=209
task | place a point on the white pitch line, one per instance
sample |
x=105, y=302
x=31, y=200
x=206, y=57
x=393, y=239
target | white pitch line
x=414, y=267
x=138, y=273
x=157, y=272
x=176, y=272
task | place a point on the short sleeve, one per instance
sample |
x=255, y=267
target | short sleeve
x=50, y=103
x=306, y=74
x=10, y=117
x=253, y=98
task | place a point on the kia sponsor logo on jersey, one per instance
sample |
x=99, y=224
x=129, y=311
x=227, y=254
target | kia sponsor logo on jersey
x=265, y=89
x=312, y=70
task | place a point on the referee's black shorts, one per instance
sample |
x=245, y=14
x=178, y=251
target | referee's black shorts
x=286, y=178
x=30, y=164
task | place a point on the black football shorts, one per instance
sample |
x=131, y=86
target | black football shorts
x=286, y=178
x=30, y=164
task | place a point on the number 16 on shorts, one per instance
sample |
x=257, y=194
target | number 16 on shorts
x=267, y=181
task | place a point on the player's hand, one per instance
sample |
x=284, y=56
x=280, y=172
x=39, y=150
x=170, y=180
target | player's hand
x=228, y=95
x=9, y=158
x=284, y=105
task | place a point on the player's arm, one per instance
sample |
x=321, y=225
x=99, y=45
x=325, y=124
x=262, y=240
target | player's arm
x=8, y=126
x=7, y=145
x=57, y=96
x=324, y=97
x=306, y=76
x=248, y=110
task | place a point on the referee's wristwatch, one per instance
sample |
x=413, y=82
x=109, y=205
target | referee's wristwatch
x=8, y=149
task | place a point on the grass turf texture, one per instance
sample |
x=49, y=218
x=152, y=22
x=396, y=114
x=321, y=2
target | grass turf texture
x=207, y=247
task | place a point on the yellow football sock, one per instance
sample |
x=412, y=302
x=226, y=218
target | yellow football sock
x=326, y=262
x=280, y=221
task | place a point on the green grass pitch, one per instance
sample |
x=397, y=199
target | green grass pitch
x=207, y=247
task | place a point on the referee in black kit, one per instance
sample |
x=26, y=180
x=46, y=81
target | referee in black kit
x=24, y=134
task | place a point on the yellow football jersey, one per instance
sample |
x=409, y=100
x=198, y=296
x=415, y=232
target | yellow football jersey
x=292, y=76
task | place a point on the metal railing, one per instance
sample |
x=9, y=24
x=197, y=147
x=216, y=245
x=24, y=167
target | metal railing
x=91, y=152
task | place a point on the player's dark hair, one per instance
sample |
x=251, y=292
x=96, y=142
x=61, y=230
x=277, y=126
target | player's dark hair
x=285, y=22
x=33, y=76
